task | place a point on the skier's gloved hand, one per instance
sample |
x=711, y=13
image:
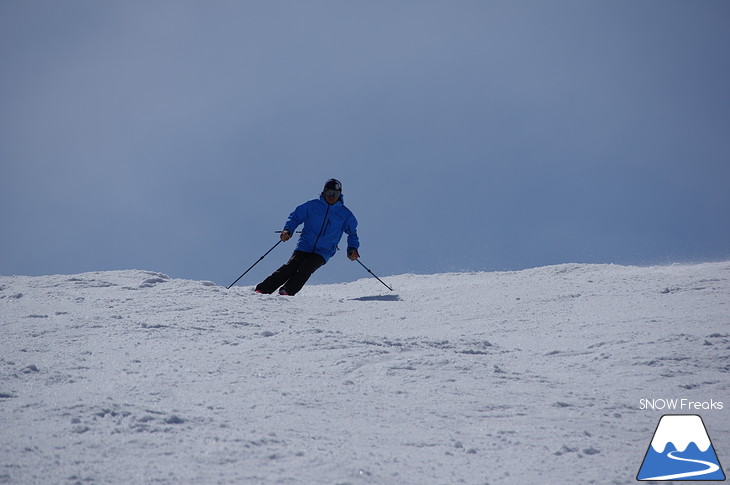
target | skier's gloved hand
x=285, y=235
x=352, y=254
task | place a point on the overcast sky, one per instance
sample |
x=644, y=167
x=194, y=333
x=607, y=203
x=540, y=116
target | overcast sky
x=177, y=135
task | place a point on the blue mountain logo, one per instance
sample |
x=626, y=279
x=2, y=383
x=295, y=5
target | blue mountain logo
x=681, y=450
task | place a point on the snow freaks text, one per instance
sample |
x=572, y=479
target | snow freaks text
x=679, y=405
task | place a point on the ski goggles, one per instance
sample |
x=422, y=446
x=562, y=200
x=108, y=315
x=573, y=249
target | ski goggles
x=332, y=193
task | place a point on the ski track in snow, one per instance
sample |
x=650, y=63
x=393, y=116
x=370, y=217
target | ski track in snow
x=531, y=376
x=711, y=468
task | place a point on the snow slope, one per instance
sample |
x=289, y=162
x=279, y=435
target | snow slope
x=520, y=377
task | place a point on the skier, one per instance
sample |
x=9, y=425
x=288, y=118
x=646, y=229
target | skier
x=325, y=220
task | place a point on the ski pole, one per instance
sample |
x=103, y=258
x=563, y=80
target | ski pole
x=257, y=262
x=368, y=270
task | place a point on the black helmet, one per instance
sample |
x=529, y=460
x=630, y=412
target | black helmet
x=333, y=184
x=332, y=188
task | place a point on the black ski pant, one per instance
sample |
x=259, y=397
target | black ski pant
x=292, y=275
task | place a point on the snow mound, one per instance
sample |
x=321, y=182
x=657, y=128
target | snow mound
x=531, y=376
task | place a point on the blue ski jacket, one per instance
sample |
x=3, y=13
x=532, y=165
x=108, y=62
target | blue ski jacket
x=324, y=225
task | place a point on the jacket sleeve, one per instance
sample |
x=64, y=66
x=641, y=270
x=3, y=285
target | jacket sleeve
x=351, y=230
x=296, y=218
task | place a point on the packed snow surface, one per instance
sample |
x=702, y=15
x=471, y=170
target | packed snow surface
x=524, y=377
